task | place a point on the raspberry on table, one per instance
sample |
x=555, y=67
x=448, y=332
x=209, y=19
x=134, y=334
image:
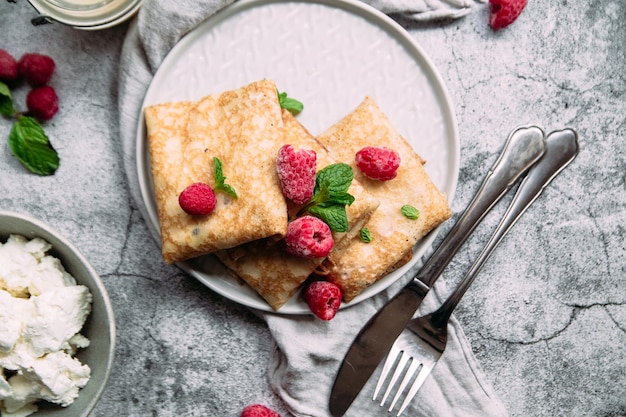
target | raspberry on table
x=378, y=162
x=8, y=67
x=308, y=237
x=42, y=102
x=258, y=410
x=505, y=12
x=323, y=298
x=36, y=69
x=198, y=199
x=296, y=171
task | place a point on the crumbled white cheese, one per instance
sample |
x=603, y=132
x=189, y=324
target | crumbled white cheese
x=42, y=311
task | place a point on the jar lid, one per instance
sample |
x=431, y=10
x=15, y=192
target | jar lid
x=85, y=14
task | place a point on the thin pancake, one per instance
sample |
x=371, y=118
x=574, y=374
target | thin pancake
x=361, y=264
x=264, y=265
x=243, y=128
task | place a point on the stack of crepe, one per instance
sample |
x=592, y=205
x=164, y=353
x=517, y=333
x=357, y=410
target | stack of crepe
x=245, y=128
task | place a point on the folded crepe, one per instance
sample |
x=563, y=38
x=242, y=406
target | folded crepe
x=243, y=128
x=359, y=264
x=264, y=265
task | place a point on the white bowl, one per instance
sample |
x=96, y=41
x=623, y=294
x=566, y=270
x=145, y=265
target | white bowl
x=100, y=325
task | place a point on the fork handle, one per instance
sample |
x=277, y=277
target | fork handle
x=561, y=148
x=523, y=147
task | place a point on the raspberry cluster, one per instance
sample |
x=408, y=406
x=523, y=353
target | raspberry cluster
x=36, y=70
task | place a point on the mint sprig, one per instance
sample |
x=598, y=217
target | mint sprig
x=330, y=196
x=220, y=179
x=31, y=146
x=27, y=139
x=290, y=104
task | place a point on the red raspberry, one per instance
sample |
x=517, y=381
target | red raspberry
x=296, y=171
x=8, y=67
x=36, y=69
x=504, y=12
x=308, y=237
x=323, y=298
x=42, y=102
x=258, y=410
x=198, y=199
x=378, y=162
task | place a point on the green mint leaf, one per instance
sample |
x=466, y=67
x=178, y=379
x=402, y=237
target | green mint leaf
x=31, y=146
x=220, y=179
x=6, y=101
x=365, y=235
x=290, y=104
x=334, y=216
x=331, y=196
x=336, y=177
x=410, y=212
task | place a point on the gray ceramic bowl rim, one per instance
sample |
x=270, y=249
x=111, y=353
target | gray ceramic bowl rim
x=55, y=238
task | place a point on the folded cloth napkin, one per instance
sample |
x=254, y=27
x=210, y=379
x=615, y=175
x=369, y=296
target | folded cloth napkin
x=308, y=351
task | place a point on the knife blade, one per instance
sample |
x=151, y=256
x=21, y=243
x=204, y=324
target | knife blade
x=523, y=147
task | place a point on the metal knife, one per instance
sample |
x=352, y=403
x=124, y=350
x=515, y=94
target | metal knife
x=524, y=146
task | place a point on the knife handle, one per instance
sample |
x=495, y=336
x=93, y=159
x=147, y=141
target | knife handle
x=524, y=146
x=561, y=149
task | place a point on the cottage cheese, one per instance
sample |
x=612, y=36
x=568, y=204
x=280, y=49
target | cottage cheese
x=42, y=310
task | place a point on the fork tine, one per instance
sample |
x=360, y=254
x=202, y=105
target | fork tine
x=421, y=377
x=399, y=369
x=410, y=373
x=392, y=357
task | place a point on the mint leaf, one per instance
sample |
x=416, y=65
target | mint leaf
x=410, y=212
x=337, y=177
x=290, y=104
x=220, y=179
x=365, y=235
x=6, y=101
x=333, y=215
x=31, y=146
x=330, y=196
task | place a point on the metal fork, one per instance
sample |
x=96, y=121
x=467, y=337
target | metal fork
x=422, y=343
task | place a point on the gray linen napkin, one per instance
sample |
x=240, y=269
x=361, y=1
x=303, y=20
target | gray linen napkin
x=307, y=351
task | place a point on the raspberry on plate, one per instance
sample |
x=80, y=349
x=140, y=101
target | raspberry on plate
x=36, y=69
x=296, y=171
x=323, y=298
x=308, y=237
x=504, y=12
x=198, y=199
x=258, y=410
x=42, y=102
x=8, y=67
x=378, y=162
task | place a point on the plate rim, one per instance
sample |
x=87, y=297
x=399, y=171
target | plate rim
x=373, y=16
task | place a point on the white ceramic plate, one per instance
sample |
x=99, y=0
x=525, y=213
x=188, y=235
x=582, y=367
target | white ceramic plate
x=329, y=54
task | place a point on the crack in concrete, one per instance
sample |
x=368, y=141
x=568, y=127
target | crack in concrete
x=576, y=310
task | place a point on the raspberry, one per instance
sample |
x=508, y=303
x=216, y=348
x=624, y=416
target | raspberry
x=504, y=12
x=42, y=102
x=308, y=237
x=36, y=69
x=258, y=410
x=198, y=199
x=378, y=163
x=8, y=67
x=323, y=298
x=296, y=171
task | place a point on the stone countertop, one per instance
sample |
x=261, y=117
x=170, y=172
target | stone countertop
x=546, y=316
